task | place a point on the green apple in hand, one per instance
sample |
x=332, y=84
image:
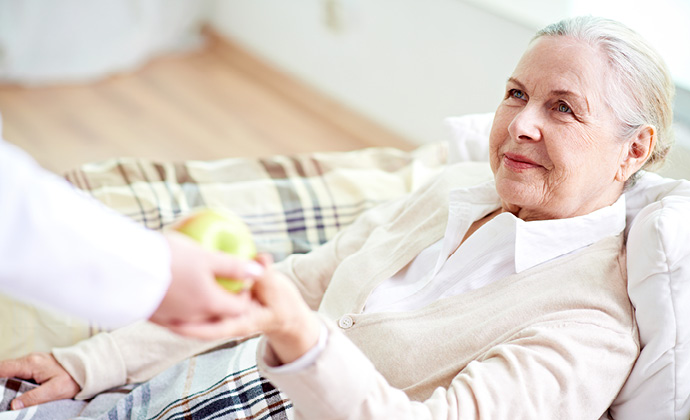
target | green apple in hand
x=221, y=230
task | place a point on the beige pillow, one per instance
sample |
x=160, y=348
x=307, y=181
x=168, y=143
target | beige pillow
x=26, y=328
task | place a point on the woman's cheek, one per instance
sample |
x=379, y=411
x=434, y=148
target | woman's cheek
x=493, y=159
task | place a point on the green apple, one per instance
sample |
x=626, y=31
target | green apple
x=221, y=230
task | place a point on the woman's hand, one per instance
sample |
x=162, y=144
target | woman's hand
x=276, y=309
x=54, y=381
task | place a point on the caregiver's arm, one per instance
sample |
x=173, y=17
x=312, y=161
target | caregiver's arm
x=63, y=249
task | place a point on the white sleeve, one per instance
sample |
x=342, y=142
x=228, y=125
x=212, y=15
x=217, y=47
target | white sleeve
x=61, y=248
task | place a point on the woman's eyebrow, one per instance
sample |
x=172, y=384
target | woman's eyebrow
x=517, y=82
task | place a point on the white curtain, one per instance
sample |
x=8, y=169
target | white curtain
x=48, y=41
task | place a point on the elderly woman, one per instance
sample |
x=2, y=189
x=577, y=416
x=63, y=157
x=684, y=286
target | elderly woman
x=476, y=297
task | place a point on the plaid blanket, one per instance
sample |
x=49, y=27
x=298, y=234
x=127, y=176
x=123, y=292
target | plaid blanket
x=220, y=384
x=291, y=203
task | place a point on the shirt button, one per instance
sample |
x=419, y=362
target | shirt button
x=346, y=322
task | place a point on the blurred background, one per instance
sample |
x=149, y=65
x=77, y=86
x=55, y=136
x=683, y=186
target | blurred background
x=84, y=80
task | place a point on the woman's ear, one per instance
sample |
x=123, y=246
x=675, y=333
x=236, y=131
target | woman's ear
x=639, y=148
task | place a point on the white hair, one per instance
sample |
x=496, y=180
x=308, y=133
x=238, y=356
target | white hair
x=641, y=91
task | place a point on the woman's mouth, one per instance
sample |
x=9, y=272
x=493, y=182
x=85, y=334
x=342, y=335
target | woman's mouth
x=518, y=163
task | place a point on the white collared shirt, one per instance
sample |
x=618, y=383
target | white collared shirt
x=503, y=246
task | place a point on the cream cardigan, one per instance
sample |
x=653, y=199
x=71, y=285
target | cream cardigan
x=556, y=341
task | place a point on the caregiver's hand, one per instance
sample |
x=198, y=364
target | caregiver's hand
x=277, y=310
x=55, y=383
x=194, y=296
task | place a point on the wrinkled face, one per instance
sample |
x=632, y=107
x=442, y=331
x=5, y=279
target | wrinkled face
x=553, y=145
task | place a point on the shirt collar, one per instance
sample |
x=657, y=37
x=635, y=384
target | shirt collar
x=539, y=241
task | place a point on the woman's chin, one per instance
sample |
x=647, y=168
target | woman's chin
x=517, y=193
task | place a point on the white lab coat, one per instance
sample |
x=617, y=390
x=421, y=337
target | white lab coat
x=61, y=248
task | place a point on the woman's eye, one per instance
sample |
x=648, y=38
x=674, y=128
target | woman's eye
x=564, y=108
x=518, y=94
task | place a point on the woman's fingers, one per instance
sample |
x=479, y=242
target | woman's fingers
x=33, y=366
x=15, y=368
x=55, y=382
x=56, y=388
x=264, y=259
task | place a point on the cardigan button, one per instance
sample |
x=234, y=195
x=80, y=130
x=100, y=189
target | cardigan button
x=346, y=322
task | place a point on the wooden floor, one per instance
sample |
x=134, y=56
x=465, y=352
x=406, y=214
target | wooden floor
x=213, y=103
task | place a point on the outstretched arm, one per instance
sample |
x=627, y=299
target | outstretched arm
x=65, y=250
x=555, y=370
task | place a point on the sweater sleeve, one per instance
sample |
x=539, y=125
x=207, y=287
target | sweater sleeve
x=555, y=370
x=63, y=249
x=131, y=354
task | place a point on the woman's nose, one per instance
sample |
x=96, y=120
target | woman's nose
x=526, y=125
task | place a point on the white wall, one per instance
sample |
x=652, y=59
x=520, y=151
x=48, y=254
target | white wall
x=406, y=64
x=663, y=23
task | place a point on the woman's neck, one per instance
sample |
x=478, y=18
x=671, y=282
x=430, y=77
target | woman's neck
x=479, y=223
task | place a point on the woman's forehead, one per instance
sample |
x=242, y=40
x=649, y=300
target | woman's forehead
x=561, y=65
